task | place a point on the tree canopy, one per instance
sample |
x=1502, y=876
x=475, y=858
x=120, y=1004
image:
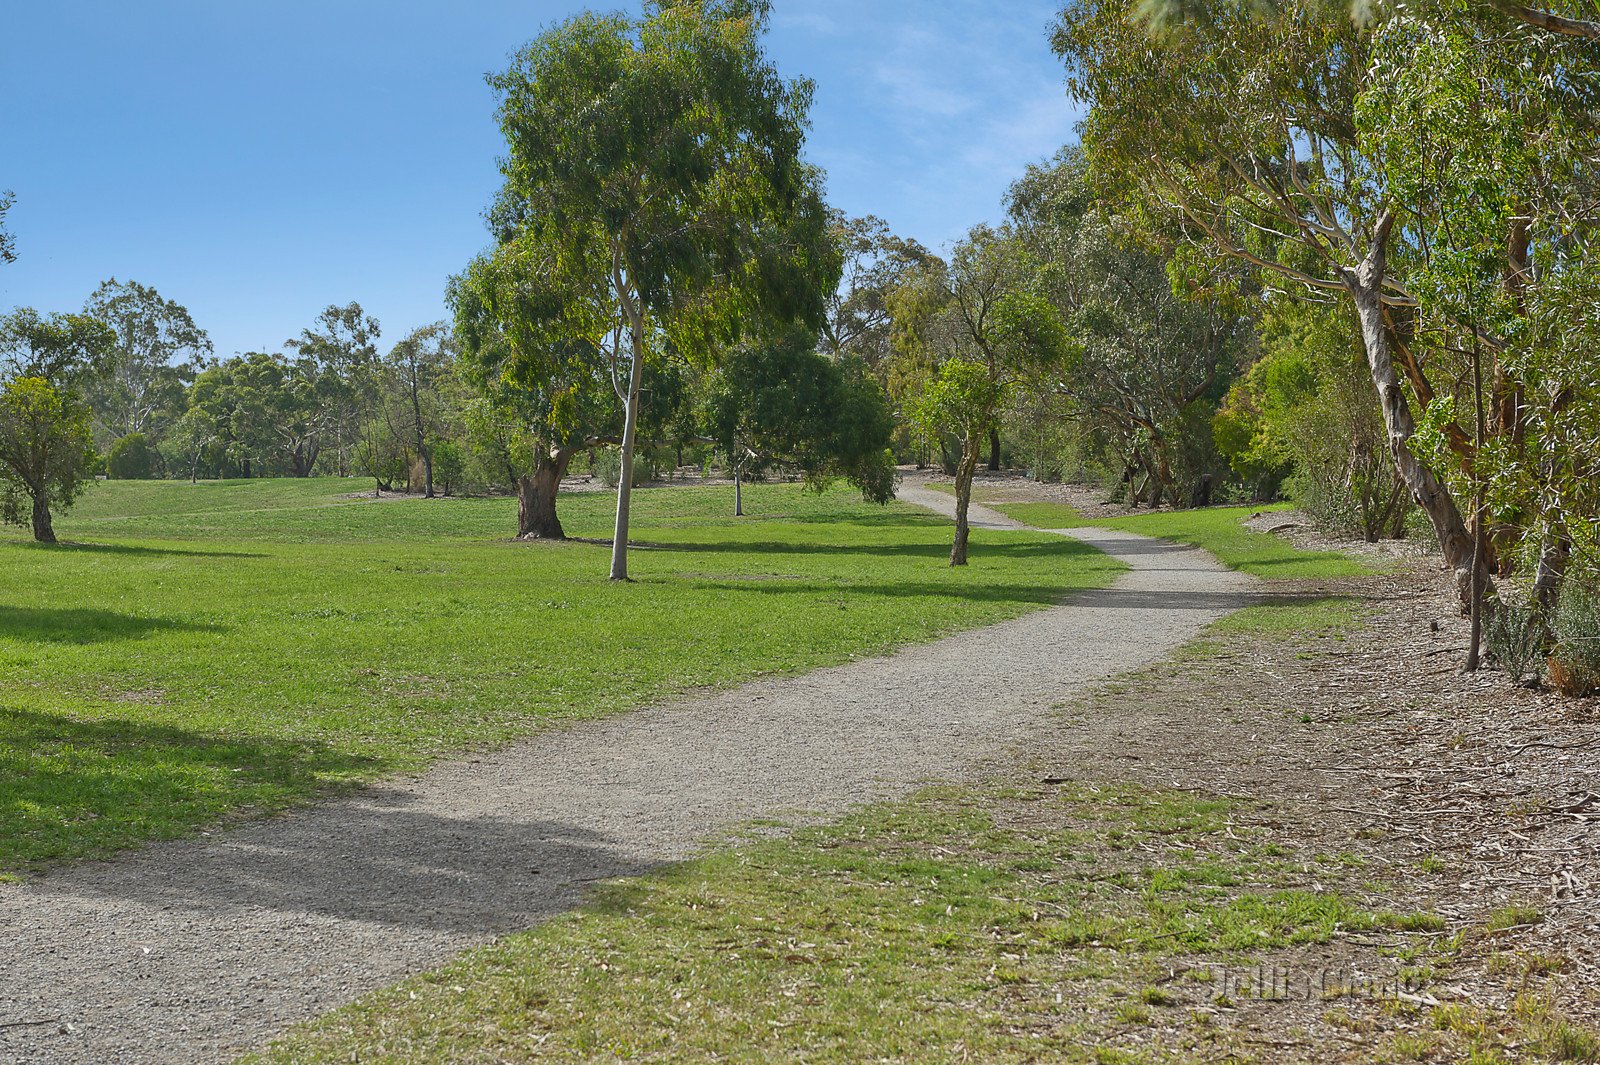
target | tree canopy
x=655, y=200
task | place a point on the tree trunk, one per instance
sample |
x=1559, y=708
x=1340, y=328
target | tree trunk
x=1365, y=284
x=43, y=531
x=964, y=471
x=427, y=474
x=630, y=425
x=1553, y=556
x=536, y=499
x=994, y=449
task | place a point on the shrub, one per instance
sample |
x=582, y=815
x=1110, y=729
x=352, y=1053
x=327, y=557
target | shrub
x=1515, y=636
x=1574, y=663
x=131, y=459
x=607, y=465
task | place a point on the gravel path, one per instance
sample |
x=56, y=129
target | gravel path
x=197, y=950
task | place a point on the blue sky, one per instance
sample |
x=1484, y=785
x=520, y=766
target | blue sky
x=257, y=162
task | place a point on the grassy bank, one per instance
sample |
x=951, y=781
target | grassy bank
x=202, y=651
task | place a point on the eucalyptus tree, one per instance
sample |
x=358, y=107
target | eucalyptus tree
x=335, y=384
x=46, y=449
x=259, y=418
x=875, y=262
x=70, y=351
x=1152, y=359
x=415, y=374
x=1431, y=163
x=538, y=403
x=159, y=350
x=1243, y=131
x=982, y=314
x=655, y=198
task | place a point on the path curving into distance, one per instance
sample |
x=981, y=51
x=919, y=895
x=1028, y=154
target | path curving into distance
x=197, y=950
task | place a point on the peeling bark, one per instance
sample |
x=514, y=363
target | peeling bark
x=1365, y=284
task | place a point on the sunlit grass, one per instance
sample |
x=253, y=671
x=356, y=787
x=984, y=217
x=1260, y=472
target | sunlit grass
x=200, y=649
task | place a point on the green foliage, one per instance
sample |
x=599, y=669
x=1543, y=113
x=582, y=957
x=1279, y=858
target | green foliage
x=1576, y=629
x=8, y=240
x=1514, y=634
x=159, y=349
x=131, y=459
x=69, y=351
x=449, y=465
x=1142, y=361
x=1305, y=410
x=655, y=204
x=779, y=400
x=46, y=452
x=961, y=397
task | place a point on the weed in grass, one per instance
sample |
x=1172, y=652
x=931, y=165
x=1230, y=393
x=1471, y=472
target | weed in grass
x=1552, y=1035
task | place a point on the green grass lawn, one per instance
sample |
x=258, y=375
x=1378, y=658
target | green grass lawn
x=198, y=652
x=1219, y=530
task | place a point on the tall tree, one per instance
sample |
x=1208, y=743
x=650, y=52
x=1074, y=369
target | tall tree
x=71, y=351
x=1242, y=130
x=875, y=263
x=1154, y=357
x=159, y=350
x=417, y=368
x=985, y=312
x=655, y=196
x=334, y=376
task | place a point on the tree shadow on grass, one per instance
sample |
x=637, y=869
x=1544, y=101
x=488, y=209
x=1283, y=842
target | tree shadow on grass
x=71, y=546
x=84, y=625
x=70, y=788
x=982, y=547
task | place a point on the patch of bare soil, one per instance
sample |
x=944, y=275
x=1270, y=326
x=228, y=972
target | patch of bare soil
x=1409, y=786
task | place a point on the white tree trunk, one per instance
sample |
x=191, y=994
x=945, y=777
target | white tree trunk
x=630, y=421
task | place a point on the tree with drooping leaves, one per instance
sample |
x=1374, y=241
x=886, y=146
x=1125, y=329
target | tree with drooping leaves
x=655, y=197
x=413, y=378
x=1155, y=348
x=1242, y=132
x=334, y=380
x=875, y=263
x=160, y=349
